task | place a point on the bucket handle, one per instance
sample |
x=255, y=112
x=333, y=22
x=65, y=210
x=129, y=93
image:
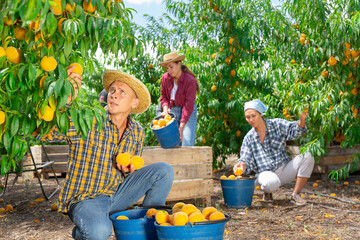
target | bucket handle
x=161, y=207
x=173, y=116
x=157, y=207
x=226, y=219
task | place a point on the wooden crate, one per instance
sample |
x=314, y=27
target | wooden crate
x=57, y=153
x=192, y=168
x=336, y=158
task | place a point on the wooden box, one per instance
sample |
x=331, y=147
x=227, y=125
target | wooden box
x=57, y=153
x=336, y=158
x=192, y=168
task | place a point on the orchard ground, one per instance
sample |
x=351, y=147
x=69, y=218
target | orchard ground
x=321, y=218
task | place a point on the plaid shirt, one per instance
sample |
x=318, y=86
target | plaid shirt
x=271, y=154
x=92, y=167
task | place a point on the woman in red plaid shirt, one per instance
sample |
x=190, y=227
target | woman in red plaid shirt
x=178, y=92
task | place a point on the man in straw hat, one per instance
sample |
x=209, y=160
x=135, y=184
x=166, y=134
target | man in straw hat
x=95, y=184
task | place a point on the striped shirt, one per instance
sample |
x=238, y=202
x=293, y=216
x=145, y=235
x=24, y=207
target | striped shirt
x=271, y=154
x=91, y=166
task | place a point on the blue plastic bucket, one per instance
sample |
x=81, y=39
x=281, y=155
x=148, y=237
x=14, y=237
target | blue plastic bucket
x=138, y=227
x=238, y=193
x=167, y=136
x=213, y=230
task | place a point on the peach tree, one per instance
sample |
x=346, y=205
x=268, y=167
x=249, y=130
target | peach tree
x=39, y=40
x=299, y=55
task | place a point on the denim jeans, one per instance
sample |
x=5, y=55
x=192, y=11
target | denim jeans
x=91, y=216
x=189, y=131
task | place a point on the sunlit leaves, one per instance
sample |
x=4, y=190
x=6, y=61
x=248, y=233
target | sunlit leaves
x=69, y=36
x=270, y=63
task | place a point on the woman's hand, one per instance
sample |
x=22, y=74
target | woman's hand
x=240, y=165
x=130, y=168
x=302, y=119
x=165, y=111
x=181, y=133
x=181, y=129
x=75, y=80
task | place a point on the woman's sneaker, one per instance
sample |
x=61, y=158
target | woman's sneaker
x=267, y=197
x=297, y=199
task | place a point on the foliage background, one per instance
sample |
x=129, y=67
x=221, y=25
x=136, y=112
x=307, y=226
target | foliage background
x=252, y=49
x=239, y=50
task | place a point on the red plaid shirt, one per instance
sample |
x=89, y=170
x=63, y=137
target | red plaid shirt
x=185, y=94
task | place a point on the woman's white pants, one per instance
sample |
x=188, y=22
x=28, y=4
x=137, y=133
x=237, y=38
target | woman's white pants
x=301, y=166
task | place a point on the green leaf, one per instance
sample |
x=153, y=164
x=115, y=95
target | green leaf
x=98, y=118
x=74, y=118
x=50, y=25
x=88, y=119
x=62, y=58
x=30, y=9
x=26, y=125
x=68, y=47
x=32, y=127
x=11, y=82
x=51, y=88
x=74, y=29
x=64, y=123
x=83, y=48
x=15, y=123
x=65, y=93
x=62, y=72
x=95, y=28
x=15, y=147
x=58, y=86
x=7, y=139
x=31, y=71
x=82, y=123
x=23, y=148
x=4, y=165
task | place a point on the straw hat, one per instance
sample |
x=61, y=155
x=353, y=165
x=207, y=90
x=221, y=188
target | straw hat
x=172, y=57
x=135, y=84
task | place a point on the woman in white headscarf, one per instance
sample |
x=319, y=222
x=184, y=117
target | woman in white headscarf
x=264, y=151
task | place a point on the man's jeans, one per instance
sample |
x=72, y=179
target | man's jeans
x=189, y=131
x=91, y=216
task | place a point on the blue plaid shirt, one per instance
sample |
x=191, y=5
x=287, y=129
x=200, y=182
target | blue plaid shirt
x=92, y=166
x=271, y=154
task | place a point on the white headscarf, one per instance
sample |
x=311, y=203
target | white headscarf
x=257, y=105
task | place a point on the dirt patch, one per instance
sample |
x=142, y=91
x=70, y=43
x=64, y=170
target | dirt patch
x=321, y=218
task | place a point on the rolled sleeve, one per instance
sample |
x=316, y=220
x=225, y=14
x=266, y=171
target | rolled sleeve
x=291, y=129
x=247, y=157
x=164, y=97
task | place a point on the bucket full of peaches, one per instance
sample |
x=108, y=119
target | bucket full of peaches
x=238, y=189
x=136, y=224
x=186, y=221
x=182, y=221
x=166, y=130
